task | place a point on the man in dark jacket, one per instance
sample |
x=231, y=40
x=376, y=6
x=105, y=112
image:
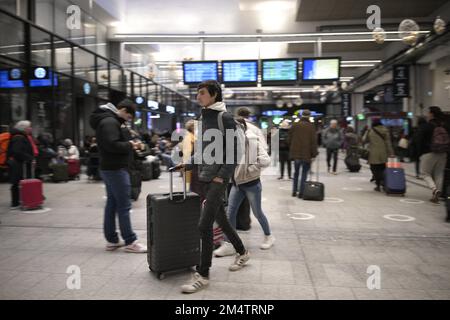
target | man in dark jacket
x=20, y=156
x=115, y=148
x=215, y=176
x=302, y=141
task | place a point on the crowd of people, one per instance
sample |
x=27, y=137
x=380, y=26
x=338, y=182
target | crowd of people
x=110, y=150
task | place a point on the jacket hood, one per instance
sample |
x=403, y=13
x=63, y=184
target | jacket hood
x=104, y=111
x=218, y=106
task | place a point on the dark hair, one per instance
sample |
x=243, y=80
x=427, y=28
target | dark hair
x=436, y=112
x=242, y=121
x=421, y=120
x=213, y=88
x=243, y=112
x=127, y=104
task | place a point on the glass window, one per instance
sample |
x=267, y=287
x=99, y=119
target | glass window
x=63, y=109
x=60, y=18
x=40, y=48
x=102, y=71
x=44, y=14
x=11, y=41
x=101, y=39
x=116, y=76
x=84, y=64
x=63, y=57
x=127, y=80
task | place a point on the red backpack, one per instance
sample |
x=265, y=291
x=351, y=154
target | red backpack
x=5, y=138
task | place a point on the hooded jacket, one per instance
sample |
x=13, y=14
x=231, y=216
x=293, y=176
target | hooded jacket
x=256, y=156
x=209, y=120
x=112, y=140
x=332, y=138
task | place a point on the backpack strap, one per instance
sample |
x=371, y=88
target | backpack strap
x=220, y=121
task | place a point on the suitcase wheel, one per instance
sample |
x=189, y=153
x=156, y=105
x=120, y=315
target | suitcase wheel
x=160, y=275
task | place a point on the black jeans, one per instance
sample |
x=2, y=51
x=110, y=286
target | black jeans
x=213, y=209
x=334, y=153
x=378, y=173
x=284, y=160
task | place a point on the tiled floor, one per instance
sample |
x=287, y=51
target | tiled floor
x=325, y=257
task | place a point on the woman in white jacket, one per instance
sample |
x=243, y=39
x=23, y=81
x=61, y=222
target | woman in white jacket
x=247, y=183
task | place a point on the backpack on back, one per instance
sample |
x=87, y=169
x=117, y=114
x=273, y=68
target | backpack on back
x=5, y=139
x=440, y=142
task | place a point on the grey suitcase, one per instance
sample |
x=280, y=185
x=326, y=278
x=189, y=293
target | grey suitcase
x=173, y=238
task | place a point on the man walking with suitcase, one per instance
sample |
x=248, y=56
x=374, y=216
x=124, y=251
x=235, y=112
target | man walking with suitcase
x=302, y=140
x=215, y=177
x=115, y=151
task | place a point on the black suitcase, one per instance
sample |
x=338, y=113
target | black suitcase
x=352, y=163
x=136, y=183
x=156, y=167
x=173, y=238
x=60, y=172
x=147, y=171
x=314, y=190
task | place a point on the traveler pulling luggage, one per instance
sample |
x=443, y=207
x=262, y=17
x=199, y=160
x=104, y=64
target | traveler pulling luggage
x=31, y=191
x=172, y=230
x=314, y=190
x=394, y=178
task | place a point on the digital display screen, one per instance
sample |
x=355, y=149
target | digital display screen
x=271, y=113
x=240, y=71
x=5, y=81
x=199, y=71
x=280, y=70
x=321, y=69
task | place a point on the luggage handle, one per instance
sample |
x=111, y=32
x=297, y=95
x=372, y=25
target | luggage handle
x=171, y=170
x=25, y=170
x=317, y=170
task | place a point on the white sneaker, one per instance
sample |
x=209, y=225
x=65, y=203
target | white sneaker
x=136, y=247
x=240, y=261
x=268, y=242
x=110, y=246
x=196, y=284
x=226, y=249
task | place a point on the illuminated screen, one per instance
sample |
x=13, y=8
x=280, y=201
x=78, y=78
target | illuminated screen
x=199, y=71
x=240, y=71
x=279, y=70
x=321, y=69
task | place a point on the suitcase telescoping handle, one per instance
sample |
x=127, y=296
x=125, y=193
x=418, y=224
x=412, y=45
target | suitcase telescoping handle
x=24, y=173
x=317, y=169
x=171, y=170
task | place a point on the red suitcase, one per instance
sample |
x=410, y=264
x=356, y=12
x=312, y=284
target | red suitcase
x=31, y=194
x=74, y=168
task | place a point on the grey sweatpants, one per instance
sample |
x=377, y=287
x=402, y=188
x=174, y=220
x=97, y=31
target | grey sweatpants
x=432, y=166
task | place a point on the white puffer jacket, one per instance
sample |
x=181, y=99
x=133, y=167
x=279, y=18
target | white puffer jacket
x=256, y=156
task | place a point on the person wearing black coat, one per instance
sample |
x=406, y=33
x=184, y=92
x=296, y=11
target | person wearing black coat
x=20, y=156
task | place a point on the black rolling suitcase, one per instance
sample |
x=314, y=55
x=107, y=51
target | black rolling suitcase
x=173, y=238
x=60, y=172
x=147, y=170
x=314, y=190
x=136, y=183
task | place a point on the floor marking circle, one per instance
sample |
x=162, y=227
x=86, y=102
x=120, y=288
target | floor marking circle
x=334, y=200
x=352, y=189
x=303, y=216
x=399, y=217
x=413, y=201
x=43, y=210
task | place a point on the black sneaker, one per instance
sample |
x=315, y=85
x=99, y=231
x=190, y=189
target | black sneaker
x=300, y=196
x=294, y=194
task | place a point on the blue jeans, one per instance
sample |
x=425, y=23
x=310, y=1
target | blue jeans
x=305, y=169
x=253, y=194
x=118, y=191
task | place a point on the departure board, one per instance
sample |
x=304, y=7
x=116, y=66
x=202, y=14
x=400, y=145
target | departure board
x=245, y=71
x=198, y=71
x=279, y=70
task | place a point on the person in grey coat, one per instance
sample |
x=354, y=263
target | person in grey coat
x=332, y=140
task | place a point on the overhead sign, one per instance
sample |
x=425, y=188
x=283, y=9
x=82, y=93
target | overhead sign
x=346, y=104
x=401, y=80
